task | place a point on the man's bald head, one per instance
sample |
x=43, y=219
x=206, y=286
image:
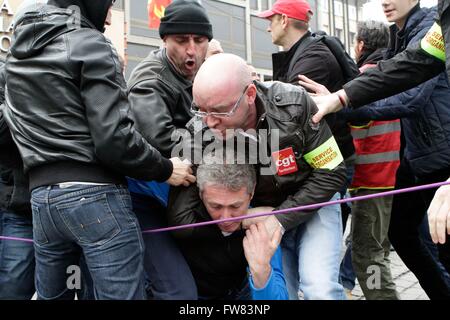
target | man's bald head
x=223, y=88
x=222, y=73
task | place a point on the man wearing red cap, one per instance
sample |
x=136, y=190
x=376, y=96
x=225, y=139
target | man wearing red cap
x=303, y=54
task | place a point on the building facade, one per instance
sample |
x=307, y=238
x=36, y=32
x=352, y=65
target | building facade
x=235, y=25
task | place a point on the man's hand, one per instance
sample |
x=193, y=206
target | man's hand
x=182, y=173
x=439, y=215
x=259, y=248
x=311, y=85
x=248, y=222
x=326, y=102
x=270, y=222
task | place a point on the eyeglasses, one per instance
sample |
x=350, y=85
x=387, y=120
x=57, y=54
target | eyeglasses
x=195, y=109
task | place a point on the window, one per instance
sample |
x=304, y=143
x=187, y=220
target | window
x=339, y=34
x=324, y=5
x=352, y=12
x=352, y=37
x=338, y=8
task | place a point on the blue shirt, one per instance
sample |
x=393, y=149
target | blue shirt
x=275, y=288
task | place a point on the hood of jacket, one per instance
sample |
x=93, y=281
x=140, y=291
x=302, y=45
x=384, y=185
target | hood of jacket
x=371, y=57
x=35, y=29
x=95, y=11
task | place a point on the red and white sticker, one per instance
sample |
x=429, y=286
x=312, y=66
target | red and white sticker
x=285, y=161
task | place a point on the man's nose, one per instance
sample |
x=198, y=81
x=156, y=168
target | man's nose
x=191, y=47
x=211, y=121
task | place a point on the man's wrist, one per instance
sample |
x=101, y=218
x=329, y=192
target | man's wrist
x=343, y=99
x=260, y=275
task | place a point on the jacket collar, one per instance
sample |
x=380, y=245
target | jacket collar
x=281, y=60
x=371, y=57
x=399, y=37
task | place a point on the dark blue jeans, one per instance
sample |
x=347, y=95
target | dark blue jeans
x=96, y=221
x=408, y=211
x=168, y=274
x=16, y=258
x=424, y=231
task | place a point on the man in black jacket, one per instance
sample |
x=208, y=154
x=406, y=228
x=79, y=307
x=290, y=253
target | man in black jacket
x=309, y=165
x=68, y=113
x=16, y=257
x=160, y=94
x=302, y=55
x=418, y=63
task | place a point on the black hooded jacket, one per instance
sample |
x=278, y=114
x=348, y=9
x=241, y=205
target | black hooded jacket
x=14, y=194
x=67, y=105
x=94, y=10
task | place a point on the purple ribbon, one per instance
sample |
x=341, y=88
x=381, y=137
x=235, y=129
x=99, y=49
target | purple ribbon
x=283, y=211
x=16, y=239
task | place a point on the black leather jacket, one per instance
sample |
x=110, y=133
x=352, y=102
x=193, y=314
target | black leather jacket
x=160, y=99
x=289, y=110
x=68, y=109
x=14, y=194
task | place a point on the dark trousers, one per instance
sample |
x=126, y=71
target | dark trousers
x=167, y=272
x=408, y=211
x=16, y=258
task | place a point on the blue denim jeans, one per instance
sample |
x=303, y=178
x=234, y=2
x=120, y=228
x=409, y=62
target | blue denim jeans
x=168, y=276
x=97, y=222
x=16, y=258
x=311, y=256
x=347, y=276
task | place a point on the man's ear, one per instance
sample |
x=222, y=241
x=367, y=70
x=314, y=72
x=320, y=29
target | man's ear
x=360, y=45
x=251, y=93
x=253, y=193
x=284, y=21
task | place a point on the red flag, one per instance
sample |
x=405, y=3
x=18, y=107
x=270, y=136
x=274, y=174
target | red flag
x=156, y=9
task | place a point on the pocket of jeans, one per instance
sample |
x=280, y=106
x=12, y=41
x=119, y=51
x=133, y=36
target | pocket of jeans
x=90, y=219
x=39, y=235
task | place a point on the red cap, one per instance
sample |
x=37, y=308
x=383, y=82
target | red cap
x=295, y=9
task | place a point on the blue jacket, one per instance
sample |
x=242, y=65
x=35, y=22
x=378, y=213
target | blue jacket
x=424, y=110
x=275, y=288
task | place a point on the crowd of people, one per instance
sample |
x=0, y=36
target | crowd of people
x=89, y=160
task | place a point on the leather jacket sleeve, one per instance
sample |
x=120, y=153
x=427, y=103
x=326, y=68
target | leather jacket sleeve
x=116, y=141
x=150, y=100
x=5, y=134
x=321, y=184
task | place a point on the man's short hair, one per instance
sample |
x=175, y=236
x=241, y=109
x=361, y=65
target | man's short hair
x=375, y=34
x=299, y=24
x=232, y=176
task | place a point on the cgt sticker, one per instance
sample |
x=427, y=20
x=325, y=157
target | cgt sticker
x=285, y=161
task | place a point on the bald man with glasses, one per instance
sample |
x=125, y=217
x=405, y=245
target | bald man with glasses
x=307, y=166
